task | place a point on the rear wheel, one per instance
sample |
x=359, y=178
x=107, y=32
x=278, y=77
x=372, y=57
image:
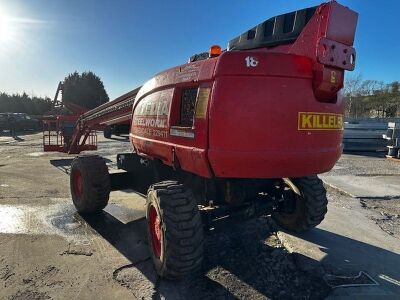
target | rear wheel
x=89, y=183
x=107, y=132
x=175, y=229
x=305, y=208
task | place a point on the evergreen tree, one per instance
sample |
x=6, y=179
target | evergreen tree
x=86, y=90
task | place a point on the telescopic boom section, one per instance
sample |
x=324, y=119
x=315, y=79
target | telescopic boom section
x=59, y=102
x=118, y=111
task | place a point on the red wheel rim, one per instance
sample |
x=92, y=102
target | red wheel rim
x=77, y=182
x=155, y=231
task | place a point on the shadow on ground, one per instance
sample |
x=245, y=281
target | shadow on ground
x=15, y=137
x=245, y=261
x=64, y=164
x=6, y=133
x=348, y=256
x=241, y=261
x=120, y=138
x=8, y=139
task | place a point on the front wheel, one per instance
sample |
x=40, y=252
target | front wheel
x=304, y=204
x=107, y=132
x=175, y=229
x=90, y=184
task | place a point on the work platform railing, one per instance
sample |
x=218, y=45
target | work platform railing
x=75, y=133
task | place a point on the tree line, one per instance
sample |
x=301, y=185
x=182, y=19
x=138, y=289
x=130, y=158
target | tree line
x=23, y=103
x=85, y=89
x=371, y=98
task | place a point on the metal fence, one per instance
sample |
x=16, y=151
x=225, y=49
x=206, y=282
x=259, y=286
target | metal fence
x=366, y=134
x=393, y=138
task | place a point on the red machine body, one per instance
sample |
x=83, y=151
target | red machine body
x=229, y=136
x=269, y=112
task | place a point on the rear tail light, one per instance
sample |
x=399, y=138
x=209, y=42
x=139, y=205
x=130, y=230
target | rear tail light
x=303, y=64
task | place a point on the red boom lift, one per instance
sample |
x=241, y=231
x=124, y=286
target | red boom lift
x=231, y=134
x=76, y=132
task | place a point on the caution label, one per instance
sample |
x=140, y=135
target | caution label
x=320, y=121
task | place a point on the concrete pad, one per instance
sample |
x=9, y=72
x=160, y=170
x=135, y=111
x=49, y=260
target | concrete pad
x=126, y=205
x=6, y=139
x=347, y=242
x=365, y=186
x=361, y=293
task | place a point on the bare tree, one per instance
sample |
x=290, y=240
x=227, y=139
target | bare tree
x=352, y=89
x=395, y=90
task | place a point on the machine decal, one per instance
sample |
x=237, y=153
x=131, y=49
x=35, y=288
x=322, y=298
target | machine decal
x=150, y=117
x=251, y=61
x=181, y=133
x=333, y=76
x=320, y=121
x=188, y=72
x=202, y=102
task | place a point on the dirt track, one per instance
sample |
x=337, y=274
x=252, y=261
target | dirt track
x=48, y=251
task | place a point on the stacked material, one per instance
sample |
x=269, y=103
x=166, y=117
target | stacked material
x=364, y=136
x=393, y=137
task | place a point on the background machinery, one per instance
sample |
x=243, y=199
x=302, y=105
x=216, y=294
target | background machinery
x=229, y=135
x=71, y=128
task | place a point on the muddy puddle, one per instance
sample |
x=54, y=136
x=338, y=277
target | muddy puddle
x=64, y=220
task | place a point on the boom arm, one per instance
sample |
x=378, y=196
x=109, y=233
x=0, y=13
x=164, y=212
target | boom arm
x=118, y=111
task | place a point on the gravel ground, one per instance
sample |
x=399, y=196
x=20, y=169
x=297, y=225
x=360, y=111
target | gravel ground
x=244, y=262
x=386, y=214
x=48, y=251
x=365, y=164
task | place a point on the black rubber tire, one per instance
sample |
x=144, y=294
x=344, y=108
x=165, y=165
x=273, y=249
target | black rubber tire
x=181, y=229
x=107, y=132
x=95, y=184
x=310, y=207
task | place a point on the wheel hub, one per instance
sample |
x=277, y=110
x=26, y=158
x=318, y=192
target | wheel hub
x=289, y=201
x=77, y=182
x=155, y=231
